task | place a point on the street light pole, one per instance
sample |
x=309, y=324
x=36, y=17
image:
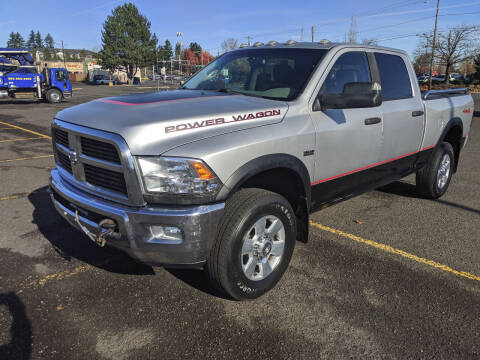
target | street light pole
x=433, y=47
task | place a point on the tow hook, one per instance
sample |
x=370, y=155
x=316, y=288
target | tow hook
x=106, y=229
x=109, y=226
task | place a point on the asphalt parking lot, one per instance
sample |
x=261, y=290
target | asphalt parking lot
x=384, y=275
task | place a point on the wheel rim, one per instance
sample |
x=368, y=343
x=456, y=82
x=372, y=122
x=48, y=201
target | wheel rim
x=263, y=247
x=55, y=97
x=443, y=172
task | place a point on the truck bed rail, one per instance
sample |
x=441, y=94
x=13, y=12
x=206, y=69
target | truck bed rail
x=430, y=93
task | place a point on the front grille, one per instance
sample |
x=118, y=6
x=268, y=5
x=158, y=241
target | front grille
x=90, y=215
x=105, y=178
x=60, y=137
x=64, y=161
x=99, y=150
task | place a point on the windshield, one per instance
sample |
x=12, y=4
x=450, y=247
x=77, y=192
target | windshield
x=271, y=73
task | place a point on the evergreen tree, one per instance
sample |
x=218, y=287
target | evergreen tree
x=31, y=40
x=196, y=48
x=20, y=41
x=167, y=50
x=47, y=54
x=11, y=40
x=127, y=41
x=178, y=50
x=49, y=43
x=38, y=40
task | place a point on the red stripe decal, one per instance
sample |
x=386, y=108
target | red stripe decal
x=370, y=166
x=154, y=102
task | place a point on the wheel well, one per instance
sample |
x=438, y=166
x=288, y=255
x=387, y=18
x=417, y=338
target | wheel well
x=287, y=183
x=454, y=137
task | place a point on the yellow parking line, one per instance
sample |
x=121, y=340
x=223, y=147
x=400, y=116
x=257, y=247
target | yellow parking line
x=11, y=197
x=395, y=251
x=29, y=131
x=22, y=139
x=75, y=89
x=56, y=276
x=26, y=158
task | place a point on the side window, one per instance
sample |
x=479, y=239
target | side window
x=60, y=76
x=349, y=67
x=394, y=77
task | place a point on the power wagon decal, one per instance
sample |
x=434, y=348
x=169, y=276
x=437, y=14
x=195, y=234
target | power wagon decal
x=219, y=121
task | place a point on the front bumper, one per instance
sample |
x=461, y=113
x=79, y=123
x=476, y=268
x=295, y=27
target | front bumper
x=198, y=225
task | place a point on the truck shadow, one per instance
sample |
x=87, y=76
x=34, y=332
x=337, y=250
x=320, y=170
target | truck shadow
x=70, y=243
x=20, y=345
x=409, y=190
x=198, y=280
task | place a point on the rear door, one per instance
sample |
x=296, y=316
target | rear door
x=347, y=146
x=402, y=112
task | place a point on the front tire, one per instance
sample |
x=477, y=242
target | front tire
x=54, y=96
x=254, y=244
x=433, y=180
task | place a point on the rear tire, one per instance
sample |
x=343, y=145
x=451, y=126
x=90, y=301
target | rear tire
x=434, y=178
x=54, y=96
x=254, y=244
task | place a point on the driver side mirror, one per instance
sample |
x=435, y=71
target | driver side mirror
x=355, y=95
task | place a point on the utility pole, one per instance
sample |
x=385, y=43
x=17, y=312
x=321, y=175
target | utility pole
x=433, y=47
x=313, y=33
x=301, y=34
x=248, y=40
x=63, y=53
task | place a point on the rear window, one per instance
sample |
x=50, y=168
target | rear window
x=394, y=77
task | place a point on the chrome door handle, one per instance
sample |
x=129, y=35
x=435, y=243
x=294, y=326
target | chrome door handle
x=371, y=121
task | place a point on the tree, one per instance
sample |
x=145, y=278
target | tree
x=127, y=41
x=205, y=58
x=454, y=47
x=190, y=56
x=38, y=40
x=421, y=63
x=178, y=50
x=15, y=41
x=49, y=43
x=31, y=40
x=196, y=48
x=167, y=51
x=476, y=63
x=47, y=54
x=229, y=44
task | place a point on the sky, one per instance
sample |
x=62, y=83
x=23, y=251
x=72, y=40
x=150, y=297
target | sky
x=393, y=23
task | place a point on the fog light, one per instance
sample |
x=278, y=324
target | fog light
x=165, y=234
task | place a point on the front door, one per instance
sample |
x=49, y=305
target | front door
x=348, y=141
x=60, y=80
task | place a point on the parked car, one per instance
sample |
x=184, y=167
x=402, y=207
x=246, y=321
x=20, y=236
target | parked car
x=104, y=80
x=221, y=174
x=423, y=79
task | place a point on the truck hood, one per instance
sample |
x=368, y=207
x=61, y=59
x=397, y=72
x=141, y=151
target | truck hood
x=153, y=123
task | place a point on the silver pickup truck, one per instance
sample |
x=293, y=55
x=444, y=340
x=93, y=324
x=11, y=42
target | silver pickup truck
x=222, y=173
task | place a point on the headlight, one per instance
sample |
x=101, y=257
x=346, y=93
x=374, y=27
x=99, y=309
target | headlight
x=179, y=177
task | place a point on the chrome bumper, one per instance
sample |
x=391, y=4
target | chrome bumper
x=198, y=225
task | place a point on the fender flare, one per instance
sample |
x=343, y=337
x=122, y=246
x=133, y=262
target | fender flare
x=456, y=121
x=264, y=163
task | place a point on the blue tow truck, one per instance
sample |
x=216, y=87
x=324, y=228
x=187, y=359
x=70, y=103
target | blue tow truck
x=20, y=78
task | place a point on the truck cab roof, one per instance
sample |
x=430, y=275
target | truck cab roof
x=322, y=44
